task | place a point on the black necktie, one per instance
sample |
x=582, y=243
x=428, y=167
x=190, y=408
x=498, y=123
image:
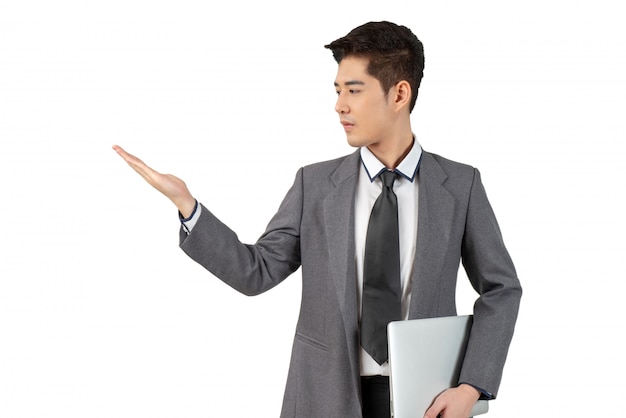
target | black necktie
x=381, y=272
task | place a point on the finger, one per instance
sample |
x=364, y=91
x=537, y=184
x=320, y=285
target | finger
x=120, y=151
x=129, y=158
x=435, y=411
x=137, y=164
x=430, y=414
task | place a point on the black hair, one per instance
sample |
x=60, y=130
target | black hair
x=393, y=52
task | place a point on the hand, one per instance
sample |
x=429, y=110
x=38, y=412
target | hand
x=454, y=403
x=171, y=186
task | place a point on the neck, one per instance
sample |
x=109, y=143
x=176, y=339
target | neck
x=391, y=153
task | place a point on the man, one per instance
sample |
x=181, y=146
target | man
x=354, y=282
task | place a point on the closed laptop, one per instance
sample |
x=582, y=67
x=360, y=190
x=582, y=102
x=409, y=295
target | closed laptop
x=425, y=358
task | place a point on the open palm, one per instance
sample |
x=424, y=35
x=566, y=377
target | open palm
x=168, y=184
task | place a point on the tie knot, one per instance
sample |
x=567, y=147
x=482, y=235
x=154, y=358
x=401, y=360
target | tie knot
x=388, y=178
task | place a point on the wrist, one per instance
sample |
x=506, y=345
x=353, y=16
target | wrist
x=470, y=390
x=186, y=206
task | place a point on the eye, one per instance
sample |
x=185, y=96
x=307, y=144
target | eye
x=353, y=91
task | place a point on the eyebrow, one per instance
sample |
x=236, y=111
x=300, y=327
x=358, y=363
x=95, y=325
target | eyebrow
x=351, y=83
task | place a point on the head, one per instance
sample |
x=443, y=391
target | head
x=393, y=54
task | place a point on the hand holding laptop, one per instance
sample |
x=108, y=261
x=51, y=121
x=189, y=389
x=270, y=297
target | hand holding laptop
x=454, y=402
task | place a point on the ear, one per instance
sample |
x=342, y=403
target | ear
x=401, y=93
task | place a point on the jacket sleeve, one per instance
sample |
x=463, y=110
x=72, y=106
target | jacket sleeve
x=492, y=274
x=249, y=268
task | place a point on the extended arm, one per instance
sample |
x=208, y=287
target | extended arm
x=251, y=269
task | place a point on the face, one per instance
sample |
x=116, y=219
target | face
x=363, y=108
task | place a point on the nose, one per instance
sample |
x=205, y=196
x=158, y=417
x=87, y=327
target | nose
x=341, y=106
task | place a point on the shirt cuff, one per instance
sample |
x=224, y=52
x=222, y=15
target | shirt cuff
x=190, y=222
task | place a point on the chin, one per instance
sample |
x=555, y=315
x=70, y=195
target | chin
x=356, y=142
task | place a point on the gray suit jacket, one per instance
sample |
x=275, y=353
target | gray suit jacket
x=314, y=229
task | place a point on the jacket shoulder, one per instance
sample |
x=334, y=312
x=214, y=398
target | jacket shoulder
x=327, y=166
x=450, y=167
x=336, y=170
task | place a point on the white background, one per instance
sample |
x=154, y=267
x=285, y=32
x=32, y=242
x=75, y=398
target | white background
x=101, y=315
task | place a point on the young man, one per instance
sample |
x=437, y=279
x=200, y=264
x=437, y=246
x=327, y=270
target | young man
x=357, y=273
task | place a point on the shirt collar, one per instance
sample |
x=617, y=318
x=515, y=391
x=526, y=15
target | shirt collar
x=407, y=167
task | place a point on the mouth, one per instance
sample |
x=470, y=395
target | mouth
x=347, y=126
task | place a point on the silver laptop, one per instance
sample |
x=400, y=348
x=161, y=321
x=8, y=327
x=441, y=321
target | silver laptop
x=425, y=358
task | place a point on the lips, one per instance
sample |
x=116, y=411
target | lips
x=347, y=125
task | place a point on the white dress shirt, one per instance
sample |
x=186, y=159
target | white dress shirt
x=369, y=186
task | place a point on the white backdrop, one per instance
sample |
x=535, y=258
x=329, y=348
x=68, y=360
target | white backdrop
x=101, y=315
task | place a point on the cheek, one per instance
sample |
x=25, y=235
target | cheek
x=377, y=115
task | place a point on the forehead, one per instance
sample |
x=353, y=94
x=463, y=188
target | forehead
x=353, y=69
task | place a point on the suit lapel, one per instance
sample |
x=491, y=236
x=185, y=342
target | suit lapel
x=435, y=213
x=339, y=221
